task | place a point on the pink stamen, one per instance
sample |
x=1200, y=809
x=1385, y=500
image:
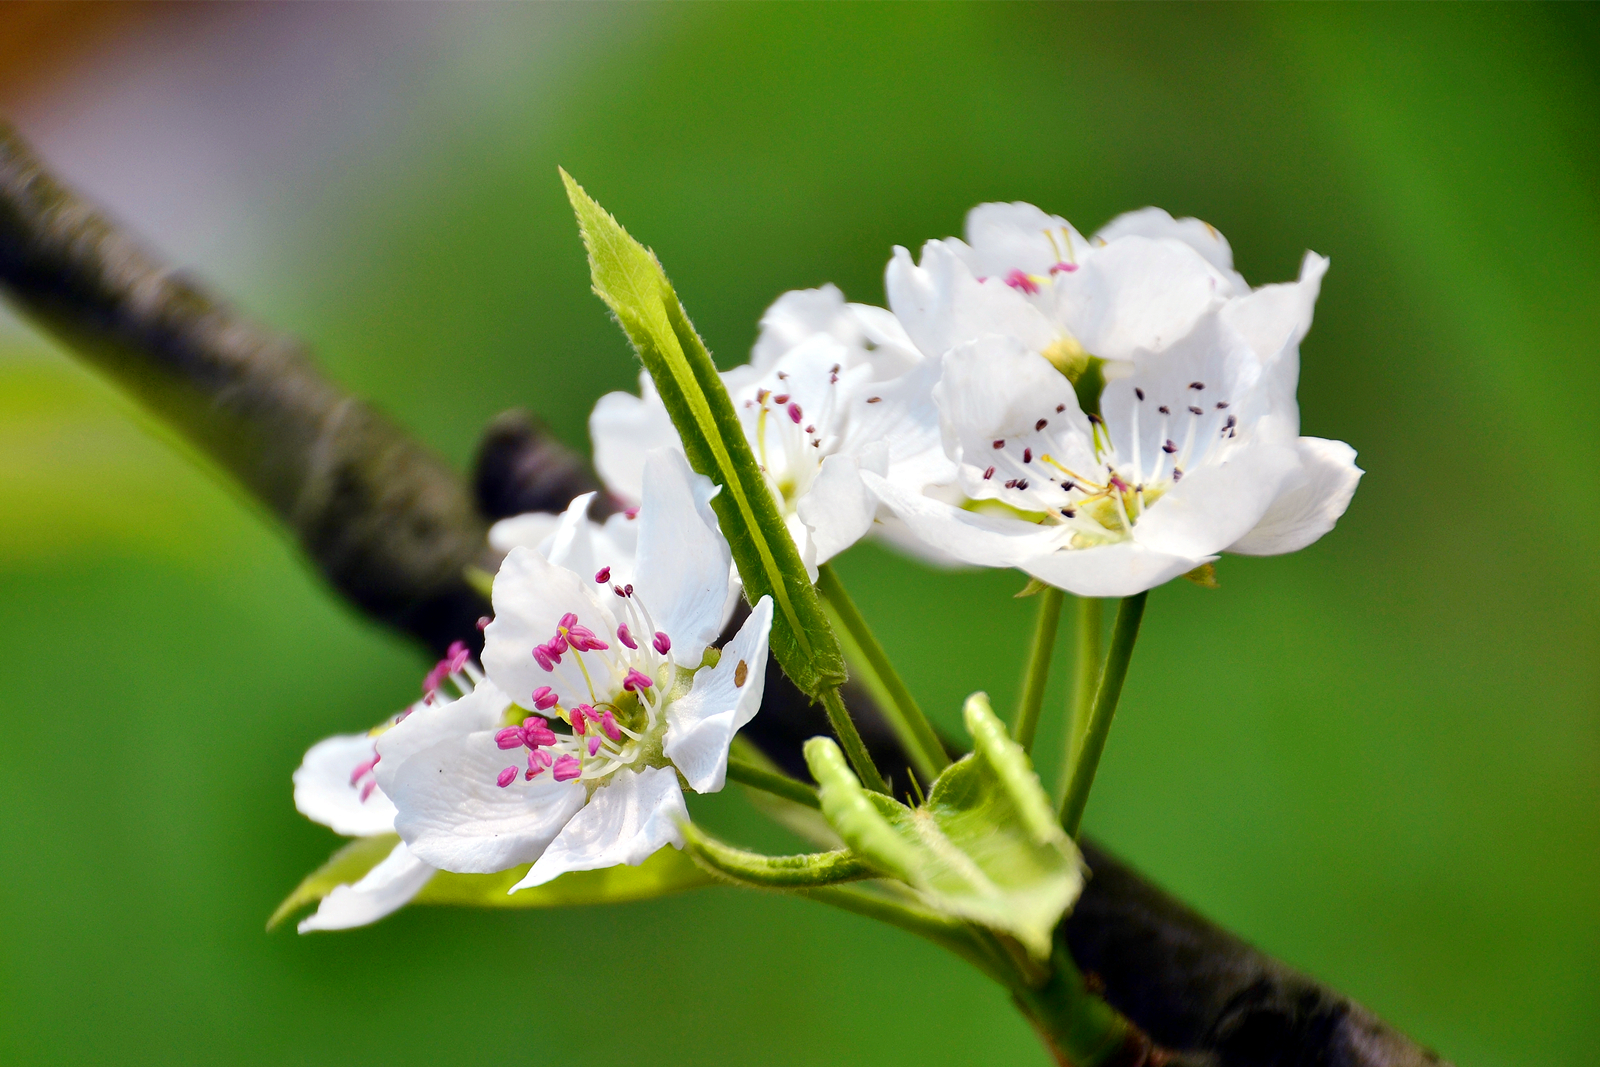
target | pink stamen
x=625, y=637
x=594, y=745
x=537, y=732
x=506, y=777
x=603, y=575
x=795, y=414
x=366, y=790
x=483, y=622
x=545, y=698
x=556, y=646
x=662, y=643
x=1018, y=280
x=781, y=399
x=362, y=770
x=636, y=681
x=632, y=513
x=1063, y=267
x=580, y=718
x=544, y=658
x=567, y=768
x=608, y=723
x=510, y=737
x=538, y=763
x=583, y=639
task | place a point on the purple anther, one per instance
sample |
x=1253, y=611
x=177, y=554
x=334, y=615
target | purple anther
x=1027, y=455
x=661, y=643
x=510, y=737
x=1138, y=392
x=1018, y=280
x=617, y=589
x=608, y=723
x=781, y=399
x=583, y=639
x=795, y=414
x=594, y=744
x=625, y=637
x=366, y=790
x=603, y=575
x=433, y=680
x=537, y=732
x=811, y=429
x=566, y=769
x=1169, y=447
x=1122, y=486
x=539, y=760
x=1060, y=408
x=631, y=513
x=762, y=394
x=1177, y=475
x=556, y=646
x=627, y=590
x=1000, y=442
x=1164, y=410
x=580, y=718
x=506, y=777
x=545, y=698
x=635, y=681
x=1195, y=411
x=1063, y=268
x=1011, y=484
x=545, y=660
x=568, y=621
x=988, y=473
x=1041, y=424
x=483, y=622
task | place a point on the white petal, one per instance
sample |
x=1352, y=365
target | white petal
x=901, y=417
x=1138, y=295
x=967, y=536
x=1310, y=502
x=530, y=597
x=682, y=571
x=324, y=793
x=838, y=509
x=623, y=427
x=386, y=888
x=1007, y=237
x=1120, y=569
x=428, y=724
x=1156, y=224
x=455, y=817
x=626, y=821
x=941, y=304
x=701, y=723
x=1218, y=502
x=530, y=530
x=798, y=315
x=1273, y=320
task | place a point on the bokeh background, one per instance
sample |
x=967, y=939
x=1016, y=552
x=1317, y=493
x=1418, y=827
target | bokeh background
x=1377, y=758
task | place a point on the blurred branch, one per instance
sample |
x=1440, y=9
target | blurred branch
x=392, y=528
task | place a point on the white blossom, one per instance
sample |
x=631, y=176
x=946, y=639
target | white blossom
x=598, y=689
x=1195, y=448
x=833, y=389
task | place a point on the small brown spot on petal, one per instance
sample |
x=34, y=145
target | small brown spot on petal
x=741, y=674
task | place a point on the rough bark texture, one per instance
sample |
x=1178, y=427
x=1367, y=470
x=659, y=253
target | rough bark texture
x=392, y=528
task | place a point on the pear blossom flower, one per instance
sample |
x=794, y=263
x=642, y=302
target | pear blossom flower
x=833, y=389
x=599, y=696
x=336, y=785
x=1190, y=445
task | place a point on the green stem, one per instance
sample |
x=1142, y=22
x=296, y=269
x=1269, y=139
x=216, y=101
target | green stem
x=1038, y=669
x=1085, y=676
x=949, y=933
x=905, y=717
x=1124, y=632
x=772, y=782
x=855, y=749
x=1077, y=1026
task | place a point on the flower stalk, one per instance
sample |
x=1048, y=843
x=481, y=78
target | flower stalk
x=911, y=726
x=1124, y=633
x=1037, y=671
x=1088, y=652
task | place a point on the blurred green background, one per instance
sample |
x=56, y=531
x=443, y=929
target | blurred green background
x=1377, y=758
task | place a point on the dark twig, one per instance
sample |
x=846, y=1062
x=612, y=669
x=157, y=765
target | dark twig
x=393, y=528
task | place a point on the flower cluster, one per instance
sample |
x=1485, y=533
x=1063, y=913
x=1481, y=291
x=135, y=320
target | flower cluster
x=1105, y=414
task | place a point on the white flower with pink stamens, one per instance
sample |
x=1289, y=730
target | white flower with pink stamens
x=1195, y=448
x=600, y=696
x=833, y=389
x=336, y=785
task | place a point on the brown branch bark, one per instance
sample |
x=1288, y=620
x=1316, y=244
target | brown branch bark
x=392, y=528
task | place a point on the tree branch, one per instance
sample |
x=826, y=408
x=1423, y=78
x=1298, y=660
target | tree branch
x=393, y=528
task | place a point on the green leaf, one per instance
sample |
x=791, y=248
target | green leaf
x=345, y=867
x=667, y=871
x=628, y=277
x=985, y=847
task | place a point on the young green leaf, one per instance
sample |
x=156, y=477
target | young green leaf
x=628, y=277
x=774, y=872
x=345, y=867
x=985, y=847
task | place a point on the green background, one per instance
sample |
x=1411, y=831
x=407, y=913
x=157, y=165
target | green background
x=1377, y=758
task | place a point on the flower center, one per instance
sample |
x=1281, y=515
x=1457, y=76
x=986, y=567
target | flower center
x=617, y=719
x=791, y=442
x=1103, y=494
